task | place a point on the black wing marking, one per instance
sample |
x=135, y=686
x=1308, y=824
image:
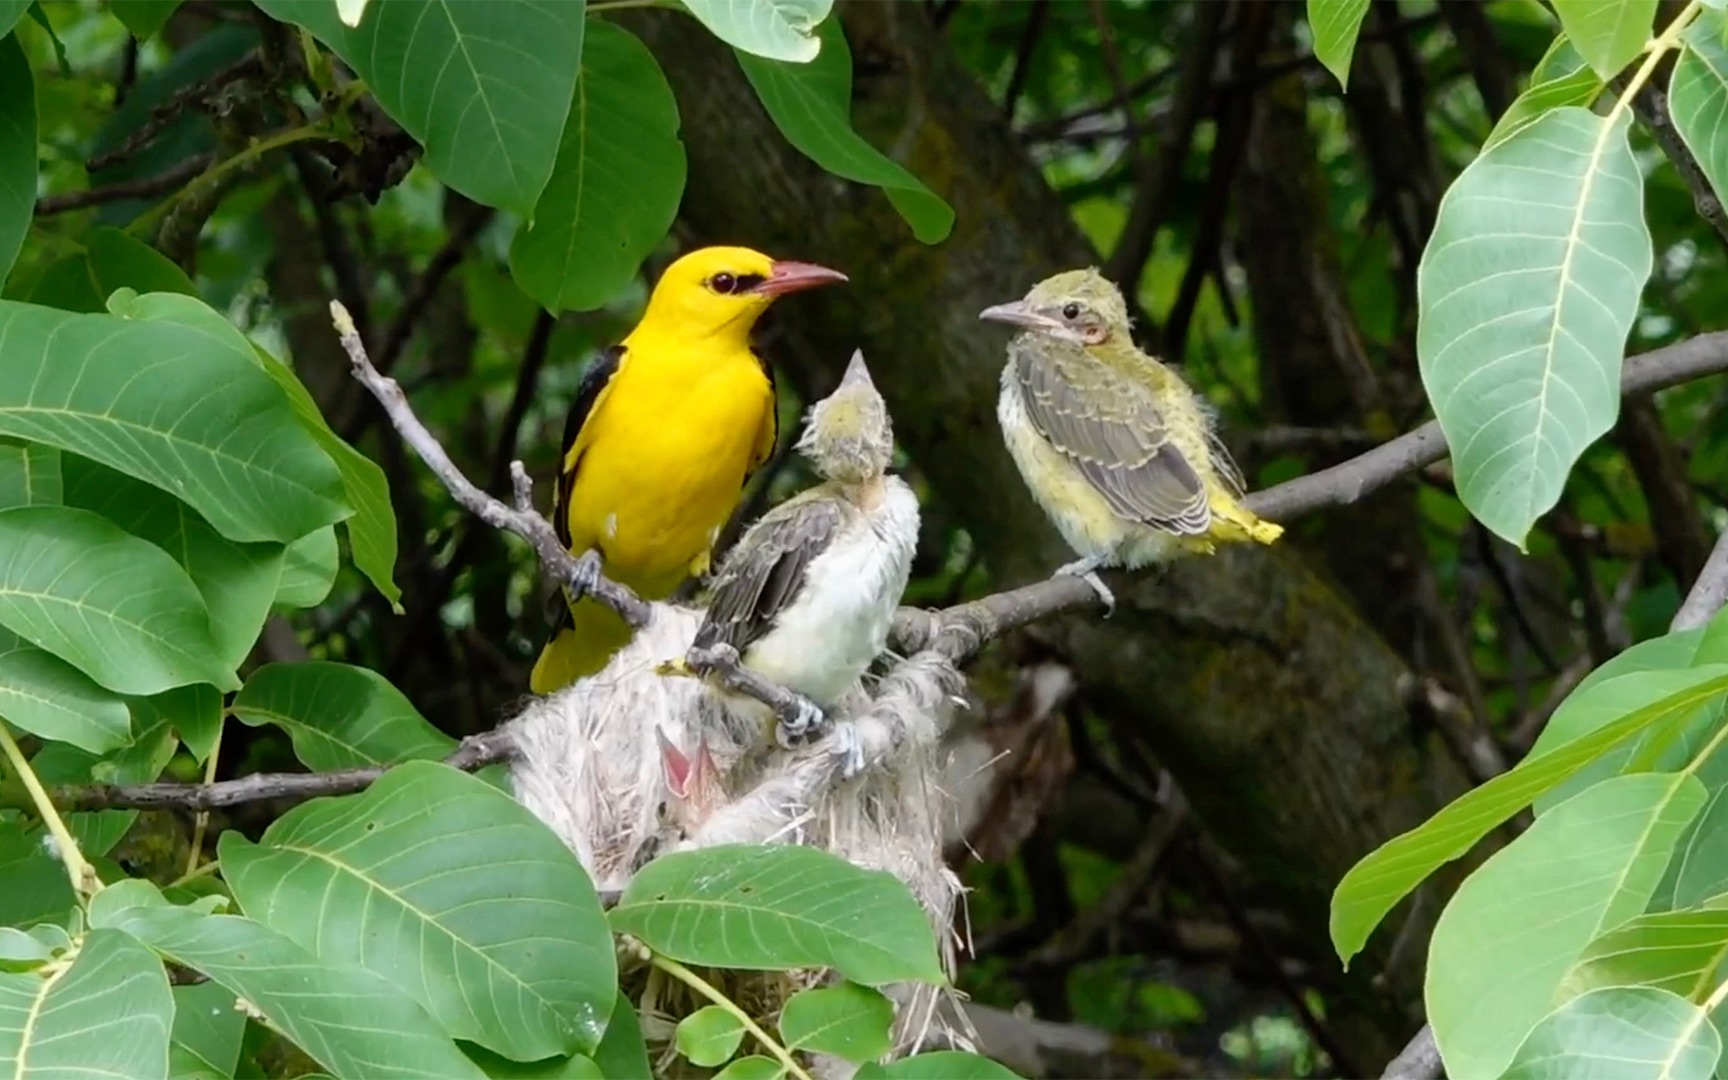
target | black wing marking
x=757, y=461
x=765, y=571
x=587, y=394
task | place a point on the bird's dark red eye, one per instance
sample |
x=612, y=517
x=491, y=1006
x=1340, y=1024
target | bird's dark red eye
x=723, y=283
x=1071, y=311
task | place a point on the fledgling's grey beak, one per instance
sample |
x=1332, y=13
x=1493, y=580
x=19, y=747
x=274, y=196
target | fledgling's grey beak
x=856, y=373
x=1016, y=313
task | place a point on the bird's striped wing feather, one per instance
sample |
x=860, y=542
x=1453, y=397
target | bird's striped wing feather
x=764, y=572
x=1117, y=438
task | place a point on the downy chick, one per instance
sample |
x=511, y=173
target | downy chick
x=1116, y=448
x=808, y=594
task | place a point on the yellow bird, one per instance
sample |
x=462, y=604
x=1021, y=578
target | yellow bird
x=1117, y=449
x=665, y=430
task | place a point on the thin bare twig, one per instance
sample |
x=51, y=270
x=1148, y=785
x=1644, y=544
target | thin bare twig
x=145, y=188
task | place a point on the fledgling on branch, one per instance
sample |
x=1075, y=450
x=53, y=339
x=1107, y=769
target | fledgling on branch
x=665, y=430
x=1117, y=449
x=807, y=595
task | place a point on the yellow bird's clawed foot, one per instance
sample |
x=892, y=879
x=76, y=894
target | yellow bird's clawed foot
x=586, y=577
x=678, y=666
x=1087, y=570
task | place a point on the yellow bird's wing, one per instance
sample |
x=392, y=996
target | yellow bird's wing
x=769, y=433
x=1116, y=435
x=765, y=571
x=590, y=394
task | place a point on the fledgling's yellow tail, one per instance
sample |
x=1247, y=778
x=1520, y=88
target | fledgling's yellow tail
x=1233, y=523
x=581, y=644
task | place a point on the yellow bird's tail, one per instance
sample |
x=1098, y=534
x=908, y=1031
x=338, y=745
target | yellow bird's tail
x=584, y=637
x=1233, y=523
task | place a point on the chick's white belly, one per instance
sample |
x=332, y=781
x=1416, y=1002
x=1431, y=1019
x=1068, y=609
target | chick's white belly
x=827, y=638
x=1073, y=505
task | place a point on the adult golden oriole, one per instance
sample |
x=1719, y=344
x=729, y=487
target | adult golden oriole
x=665, y=430
x=1117, y=449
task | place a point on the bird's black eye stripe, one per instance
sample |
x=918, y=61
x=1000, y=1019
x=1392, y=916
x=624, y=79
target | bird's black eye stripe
x=1071, y=311
x=723, y=283
x=746, y=282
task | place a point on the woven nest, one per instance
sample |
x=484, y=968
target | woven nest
x=590, y=766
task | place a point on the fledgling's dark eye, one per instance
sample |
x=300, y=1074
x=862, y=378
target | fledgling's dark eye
x=1071, y=311
x=723, y=283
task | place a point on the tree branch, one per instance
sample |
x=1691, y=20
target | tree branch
x=145, y=188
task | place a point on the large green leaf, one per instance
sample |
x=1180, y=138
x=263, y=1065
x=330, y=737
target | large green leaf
x=116, y=260
x=776, y=29
x=1335, y=24
x=1562, y=77
x=349, y=1020
x=143, y=17
x=154, y=721
x=237, y=581
x=1528, y=288
x=208, y=1026
x=29, y=474
x=17, y=149
x=46, y=696
x=309, y=568
x=454, y=892
x=339, y=716
x=485, y=86
x=776, y=907
x=615, y=188
x=37, y=888
x=1388, y=874
x=1620, y=1033
x=10, y=12
x=940, y=1065
x=173, y=407
x=1676, y=951
x=1698, y=97
x=811, y=104
x=106, y=1014
x=621, y=1051
x=1507, y=938
x=114, y=606
x=1607, y=33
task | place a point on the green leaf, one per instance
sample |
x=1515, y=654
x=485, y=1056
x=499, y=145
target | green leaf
x=29, y=474
x=237, y=581
x=36, y=885
x=407, y=878
x=1386, y=875
x=775, y=907
x=1335, y=24
x=1607, y=33
x=709, y=1036
x=1698, y=97
x=155, y=722
x=105, y=1014
x=848, y=1021
x=1507, y=938
x=309, y=567
x=1528, y=288
x=1561, y=77
x=752, y=1067
x=811, y=104
x=349, y=1020
x=46, y=696
x=114, y=606
x=485, y=87
x=372, y=529
x=621, y=1051
x=173, y=407
x=941, y=1065
x=118, y=261
x=616, y=185
x=776, y=29
x=339, y=716
x=208, y=1026
x=145, y=18
x=17, y=150
x=1676, y=951
x=24, y=951
x=570, y=1067
x=10, y=12
x=1622, y=1033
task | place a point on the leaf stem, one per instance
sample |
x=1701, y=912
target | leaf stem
x=1668, y=39
x=84, y=880
x=712, y=993
x=202, y=820
x=257, y=149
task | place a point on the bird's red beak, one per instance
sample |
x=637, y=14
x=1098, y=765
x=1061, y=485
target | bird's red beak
x=786, y=276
